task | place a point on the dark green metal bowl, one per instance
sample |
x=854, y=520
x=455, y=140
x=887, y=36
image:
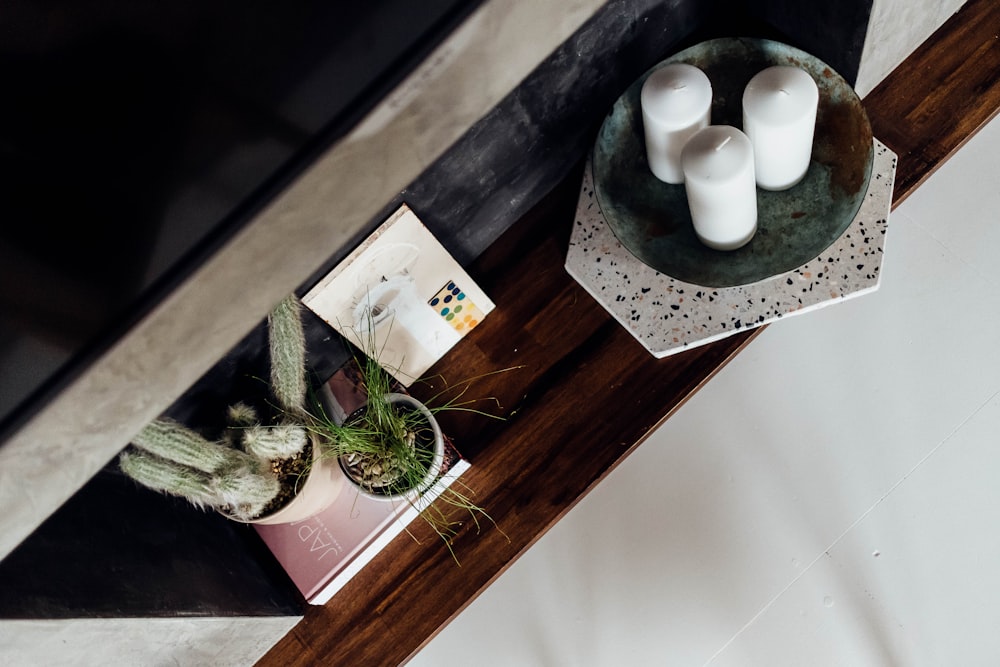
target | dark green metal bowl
x=651, y=218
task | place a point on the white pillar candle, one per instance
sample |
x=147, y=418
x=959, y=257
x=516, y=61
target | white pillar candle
x=676, y=101
x=719, y=181
x=779, y=116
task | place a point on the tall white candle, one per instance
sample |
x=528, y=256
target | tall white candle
x=779, y=116
x=676, y=101
x=719, y=181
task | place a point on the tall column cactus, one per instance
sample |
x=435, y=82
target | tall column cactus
x=288, y=354
x=169, y=477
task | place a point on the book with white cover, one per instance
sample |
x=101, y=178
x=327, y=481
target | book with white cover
x=402, y=293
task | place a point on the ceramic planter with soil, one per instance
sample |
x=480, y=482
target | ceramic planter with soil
x=392, y=454
x=267, y=465
x=307, y=490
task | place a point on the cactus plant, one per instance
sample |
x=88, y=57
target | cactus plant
x=242, y=491
x=288, y=354
x=240, y=415
x=236, y=475
x=169, y=477
x=175, y=442
x=275, y=442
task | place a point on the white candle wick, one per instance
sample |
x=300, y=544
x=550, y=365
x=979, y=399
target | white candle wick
x=779, y=115
x=719, y=185
x=676, y=102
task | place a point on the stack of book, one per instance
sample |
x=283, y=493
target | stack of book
x=322, y=553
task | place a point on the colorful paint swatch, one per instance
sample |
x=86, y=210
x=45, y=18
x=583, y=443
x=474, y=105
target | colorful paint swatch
x=455, y=306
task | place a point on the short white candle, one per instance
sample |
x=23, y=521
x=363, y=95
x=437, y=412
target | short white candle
x=779, y=116
x=719, y=181
x=676, y=102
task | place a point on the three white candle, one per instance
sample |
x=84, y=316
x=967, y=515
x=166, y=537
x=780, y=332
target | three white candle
x=718, y=165
x=676, y=102
x=779, y=116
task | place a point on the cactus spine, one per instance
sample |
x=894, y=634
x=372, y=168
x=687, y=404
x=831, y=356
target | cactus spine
x=241, y=414
x=288, y=354
x=275, y=442
x=245, y=491
x=175, y=442
x=169, y=477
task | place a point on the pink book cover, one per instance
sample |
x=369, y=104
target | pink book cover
x=322, y=553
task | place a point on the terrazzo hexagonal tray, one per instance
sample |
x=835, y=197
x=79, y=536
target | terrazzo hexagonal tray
x=668, y=315
x=632, y=247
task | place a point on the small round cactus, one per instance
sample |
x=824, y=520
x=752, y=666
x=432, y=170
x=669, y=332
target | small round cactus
x=275, y=442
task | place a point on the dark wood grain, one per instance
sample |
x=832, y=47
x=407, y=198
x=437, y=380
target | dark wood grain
x=584, y=394
x=941, y=95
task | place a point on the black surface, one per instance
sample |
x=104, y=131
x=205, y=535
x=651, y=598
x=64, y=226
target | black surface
x=832, y=31
x=116, y=550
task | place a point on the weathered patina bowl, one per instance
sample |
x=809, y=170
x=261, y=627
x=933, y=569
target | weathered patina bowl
x=651, y=218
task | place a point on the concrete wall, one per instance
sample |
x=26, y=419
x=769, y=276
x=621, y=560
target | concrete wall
x=895, y=29
x=220, y=642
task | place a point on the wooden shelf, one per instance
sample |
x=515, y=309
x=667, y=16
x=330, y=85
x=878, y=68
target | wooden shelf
x=941, y=95
x=585, y=393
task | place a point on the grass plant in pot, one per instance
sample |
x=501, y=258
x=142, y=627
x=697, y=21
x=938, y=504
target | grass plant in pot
x=260, y=470
x=392, y=448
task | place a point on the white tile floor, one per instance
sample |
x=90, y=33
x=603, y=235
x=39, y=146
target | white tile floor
x=831, y=498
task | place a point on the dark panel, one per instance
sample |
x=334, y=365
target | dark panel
x=526, y=145
x=832, y=31
x=114, y=550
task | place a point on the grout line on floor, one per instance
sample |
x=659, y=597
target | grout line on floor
x=826, y=552
x=952, y=252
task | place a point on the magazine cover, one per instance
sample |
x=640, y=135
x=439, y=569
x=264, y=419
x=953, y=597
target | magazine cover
x=405, y=293
x=322, y=553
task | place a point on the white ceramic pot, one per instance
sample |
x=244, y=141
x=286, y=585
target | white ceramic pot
x=321, y=487
x=437, y=460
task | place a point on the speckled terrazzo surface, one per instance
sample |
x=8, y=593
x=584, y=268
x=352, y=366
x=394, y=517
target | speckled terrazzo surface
x=668, y=315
